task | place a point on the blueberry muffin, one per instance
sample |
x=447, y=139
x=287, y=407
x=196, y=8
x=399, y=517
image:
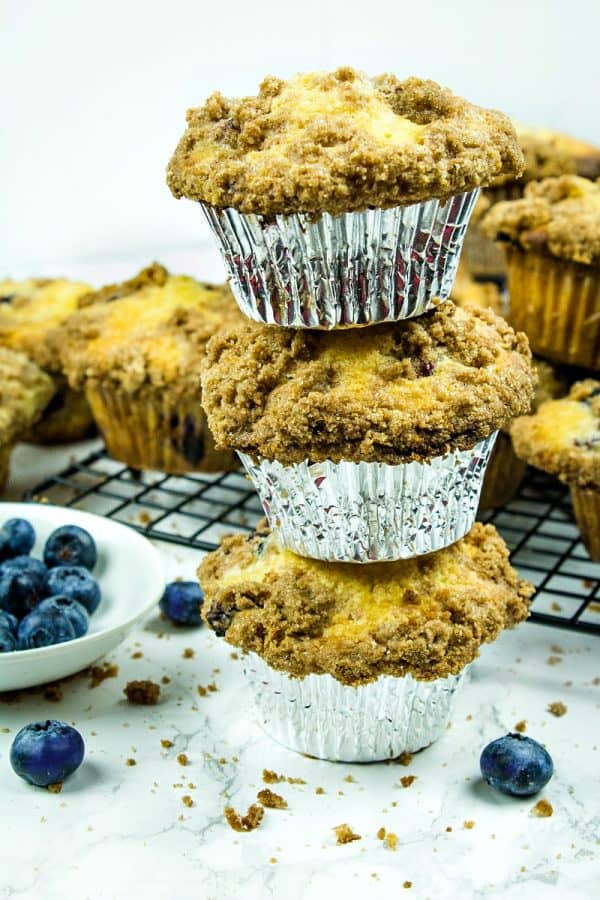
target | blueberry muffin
x=551, y=239
x=137, y=350
x=25, y=391
x=28, y=311
x=563, y=438
x=373, y=652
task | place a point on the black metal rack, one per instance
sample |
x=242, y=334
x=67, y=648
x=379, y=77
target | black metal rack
x=197, y=510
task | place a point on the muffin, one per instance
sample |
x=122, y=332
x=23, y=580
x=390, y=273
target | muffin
x=369, y=444
x=563, y=438
x=137, y=350
x=468, y=291
x=552, y=244
x=338, y=199
x=25, y=391
x=359, y=663
x=547, y=154
x=28, y=311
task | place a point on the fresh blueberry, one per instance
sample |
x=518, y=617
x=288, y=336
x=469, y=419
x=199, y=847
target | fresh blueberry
x=47, y=752
x=516, y=765
x=42, y=628
x=182, y=602
x=8, y=622
x=8, y=640
x=70, y=545
x=20, y=591
x=75, y=612
x=24, y=564
x=4, y=546
x=75, y=582
x=20, y=535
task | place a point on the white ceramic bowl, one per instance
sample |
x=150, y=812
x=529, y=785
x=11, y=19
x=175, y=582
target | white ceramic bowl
x=130, y=573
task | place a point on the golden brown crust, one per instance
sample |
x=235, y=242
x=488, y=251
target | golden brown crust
x=563, y=437
x=426, y=616
x=337, y=142
x=390, y=393
x=557, y=216
x=25, y=391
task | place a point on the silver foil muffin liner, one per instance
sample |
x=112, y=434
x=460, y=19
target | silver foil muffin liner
x=359, y=268
x=320, y=716
x=369, y=512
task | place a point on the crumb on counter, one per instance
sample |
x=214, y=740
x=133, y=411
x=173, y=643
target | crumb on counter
x=350, y=779
x=407, y=884
x=53, y=693
x=271, y=777
x=100, y=673
x=542, y=809
x=131, y=761
x=56, y=788
x=404, y=759
x=557, y=708
x=407, y=780
x=391, y=840
x=271, y=800
x=319, y=790
x=188, y=653
x=165, y=679
x=137, y=655
x=554, y=660
x=182, y=759
x=521, y=726
x=469, y=824
x=143, y=693
x=249, y=822
x=166, y=743
x=345, y=835
x=187, y=801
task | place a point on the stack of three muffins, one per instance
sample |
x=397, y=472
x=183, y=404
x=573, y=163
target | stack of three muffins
x=341, y=201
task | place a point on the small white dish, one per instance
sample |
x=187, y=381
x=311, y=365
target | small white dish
x=131, y=576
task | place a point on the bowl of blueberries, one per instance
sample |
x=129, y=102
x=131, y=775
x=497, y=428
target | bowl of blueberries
x=72, y=585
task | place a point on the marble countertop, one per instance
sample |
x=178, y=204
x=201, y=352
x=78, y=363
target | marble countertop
x=122, y=830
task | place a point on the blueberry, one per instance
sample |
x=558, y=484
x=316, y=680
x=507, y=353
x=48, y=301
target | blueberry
x=70, y=546
x=75, y=612
x=20, y=537
x=24, y=564
x=8, y=640
x=182, y=602
x=42, y=628
x=8, y=622
x=516, y=765
x=20, y=591
x=47, y=752
x=75, y=582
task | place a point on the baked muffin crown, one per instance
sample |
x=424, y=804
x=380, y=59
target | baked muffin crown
x=563, y=437
x=150, y=330
x=30, y=309
x=426, y=616
x=550, y=153
x=338, y=142
x=25, y=391
x=556, y=216
x=390, y=393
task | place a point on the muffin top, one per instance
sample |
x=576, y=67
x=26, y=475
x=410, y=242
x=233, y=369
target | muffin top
x=563, y=437
x=550, y=153
x=427, y=616
x=390, y=393
x=25, y=391
x=30, y=309
x=557, y=216
x=337, y=142
x=151, y=330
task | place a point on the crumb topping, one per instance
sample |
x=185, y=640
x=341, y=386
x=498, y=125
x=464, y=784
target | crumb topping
x=271, y=800
x=563, y=437
x=557, y=708
x=542, y=809
x=426, y=616
x=144, y=693
x=557, y=216
x=345, y=835
x=25, y=392
x=390, y=393
x=337, y=142
x=550, y=153
x=249, y=822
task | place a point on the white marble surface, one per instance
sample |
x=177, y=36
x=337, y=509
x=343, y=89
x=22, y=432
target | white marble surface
x=119, y=831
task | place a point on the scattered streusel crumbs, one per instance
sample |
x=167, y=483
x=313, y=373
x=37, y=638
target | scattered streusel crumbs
x=53, y=693
x=407, y=884
x=554, y=660
x=391, y=840
x=234, y=655
x=273, y=860
x=56, y=788
x=202, y=691
x=165, y=679
x=407, y=780
x=291, y=780
x=556, y=648
x=188, y=653
x=131, y=761
x=143, y=693
x=404, y=759
x=319, y=790
x=557, y=708
x=182, y=759
x=521, y=726
x=271, y=800
x=345, y=835
x=187, y=800
x=448, y=827
x=469, y=824
x=249, y=822
x=542, y=809
x=145, y=518
x=166, y=743
x=137, y=655
x=349, y=779
x=100, y=673
x=271, y=777
x=381, y=833
x=555, y=607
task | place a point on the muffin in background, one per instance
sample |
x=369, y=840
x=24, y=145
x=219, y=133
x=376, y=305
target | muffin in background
x=25, y=391
x=29, y=310
x=552, y=242
x=359, y=663
x=137, y=350
x=563, y=438
x=468, y=291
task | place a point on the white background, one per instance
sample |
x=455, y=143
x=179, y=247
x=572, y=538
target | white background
x=94, y=94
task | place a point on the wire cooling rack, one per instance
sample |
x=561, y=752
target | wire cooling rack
x=197, y=510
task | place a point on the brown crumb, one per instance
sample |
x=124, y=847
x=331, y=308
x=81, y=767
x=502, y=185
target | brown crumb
x=56, y=788
x=145, y=518
x=271, y=800
x=555, y=607
x=234, y=655
x=165, y=679
x=291, y=780
x=131, y=761
x=391, y=840
x=407, y=884
x=345, y=835
x=53, y=693
x=469, y=717
x=407, y=780
x=187, y=800
x=100, y=673
x=166, y=743
x=212, y=687
x=448, y=827
x=222, y=760
x=557, y=708
x=349, y=779
x=189, y=653
x=404, y=759
x=271, y=777
x=182, y=759
x=521, y=726
x=469, y=824
x=542, y=809
x=381, y=833
x=144, y=693
x=273, y=860
x=556, y=648
x=319, y=790
x=202, y=691
x=249, y=822
x=137, y=655
x=554, y=660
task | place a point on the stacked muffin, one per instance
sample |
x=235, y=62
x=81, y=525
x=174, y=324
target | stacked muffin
x=339, y=200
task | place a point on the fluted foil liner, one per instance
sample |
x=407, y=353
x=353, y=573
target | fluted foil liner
x=369, y=512
x=359, y=268
x=320, y=716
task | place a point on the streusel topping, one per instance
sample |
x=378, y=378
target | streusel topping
x=337, y=142
x=24, y=393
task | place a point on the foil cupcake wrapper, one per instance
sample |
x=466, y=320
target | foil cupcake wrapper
x=358, y=268
x=369, y=512
x=503, y=476
x=586, y=508
x=321, y=717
